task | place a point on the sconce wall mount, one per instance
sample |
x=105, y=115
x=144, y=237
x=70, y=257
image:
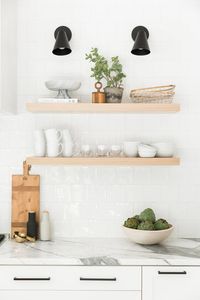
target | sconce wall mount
x=140, y=35
x=62, y=35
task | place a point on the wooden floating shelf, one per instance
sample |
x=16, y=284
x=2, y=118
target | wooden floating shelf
x=121, y=161
x=103, y=108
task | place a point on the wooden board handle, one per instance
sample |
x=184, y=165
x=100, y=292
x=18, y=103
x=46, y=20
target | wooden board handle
x=26, y=169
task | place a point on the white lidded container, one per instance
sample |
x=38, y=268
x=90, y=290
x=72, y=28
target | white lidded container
x=45, y=229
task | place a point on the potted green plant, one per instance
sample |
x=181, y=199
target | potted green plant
x=111, y=72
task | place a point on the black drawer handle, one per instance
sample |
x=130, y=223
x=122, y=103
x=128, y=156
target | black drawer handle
x=172, y=273
x=32, y=279
x=98, y=279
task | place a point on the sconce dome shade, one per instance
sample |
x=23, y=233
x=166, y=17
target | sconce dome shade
x=62, y=35
x=140, y=35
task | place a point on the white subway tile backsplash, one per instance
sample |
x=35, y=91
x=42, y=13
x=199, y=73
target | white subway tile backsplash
x=94, y=201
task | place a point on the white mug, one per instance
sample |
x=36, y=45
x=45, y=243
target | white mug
x=68, y=145
x=54, y=149
x=53, y=135
x=66, y=136
x=68, y=149
x=39, y=143
x=131, y=149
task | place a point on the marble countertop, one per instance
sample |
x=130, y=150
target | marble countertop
x=100, y=252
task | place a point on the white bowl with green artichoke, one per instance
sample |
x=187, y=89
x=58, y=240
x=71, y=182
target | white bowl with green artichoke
x=145, y=229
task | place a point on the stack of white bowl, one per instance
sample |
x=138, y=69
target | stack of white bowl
x=146, y=150
x=160, y=149
x=164, y=149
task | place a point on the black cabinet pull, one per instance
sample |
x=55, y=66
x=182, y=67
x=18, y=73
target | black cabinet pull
x=172, y=273
x=98, y=279
x=31, y=278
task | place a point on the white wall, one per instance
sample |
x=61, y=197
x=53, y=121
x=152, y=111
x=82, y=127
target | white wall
x=90, y=201
x=8, y=55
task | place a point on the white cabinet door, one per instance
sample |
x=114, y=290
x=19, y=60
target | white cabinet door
x=171, y=283
x=58, y=295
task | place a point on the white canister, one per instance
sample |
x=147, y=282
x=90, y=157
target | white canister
x=45, y=230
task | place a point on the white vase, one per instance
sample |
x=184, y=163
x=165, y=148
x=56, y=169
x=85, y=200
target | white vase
x=45, y=230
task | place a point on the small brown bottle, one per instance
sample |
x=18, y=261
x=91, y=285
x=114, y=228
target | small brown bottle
x=32, y=225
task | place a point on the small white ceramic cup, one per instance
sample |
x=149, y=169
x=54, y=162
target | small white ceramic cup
x=54, y=149
x=53, y=135
x=39, y=143
x=102, y=150
x=131, y=148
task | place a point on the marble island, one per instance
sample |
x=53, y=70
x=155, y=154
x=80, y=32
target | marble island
x=100, y=252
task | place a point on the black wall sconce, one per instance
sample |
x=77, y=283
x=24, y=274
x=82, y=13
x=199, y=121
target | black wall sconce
x=140, y=35
x=62, y=35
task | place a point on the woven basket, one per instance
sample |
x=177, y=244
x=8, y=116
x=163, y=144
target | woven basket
x=158, y=94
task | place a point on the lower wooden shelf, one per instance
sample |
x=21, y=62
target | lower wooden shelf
x=123, y=161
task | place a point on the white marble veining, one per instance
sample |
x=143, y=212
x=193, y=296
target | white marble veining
x=108, y=252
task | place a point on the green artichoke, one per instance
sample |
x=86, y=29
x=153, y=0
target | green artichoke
x=146, y=225
x=161, y=224
x=131, y=223
x=147, y=215
x=137, y=217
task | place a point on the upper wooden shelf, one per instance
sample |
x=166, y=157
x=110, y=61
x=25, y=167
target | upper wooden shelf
x=103, y=108
x=123, y=161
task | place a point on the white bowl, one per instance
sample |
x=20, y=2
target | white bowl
x=131, y=148
x=63, y=84
x=146, y=147
x=146, y=151
x=164, y=149
x=146, y=237
x=143, y=153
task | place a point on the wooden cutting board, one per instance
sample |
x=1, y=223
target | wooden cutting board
x=25, y=198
